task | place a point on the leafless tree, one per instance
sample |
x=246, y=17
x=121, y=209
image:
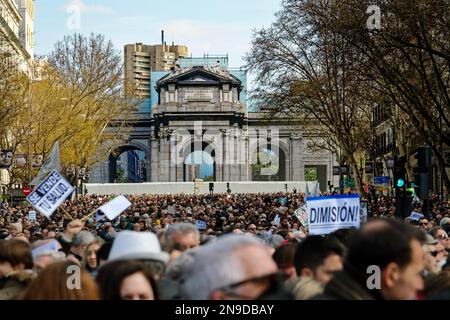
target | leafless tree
x=307, y=71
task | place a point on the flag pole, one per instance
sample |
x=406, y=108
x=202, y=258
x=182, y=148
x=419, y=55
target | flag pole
x=67, y=214
x=89, y=215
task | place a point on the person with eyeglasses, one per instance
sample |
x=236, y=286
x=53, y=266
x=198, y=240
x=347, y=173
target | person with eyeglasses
x=424, y=224
x=235, y=267
x=430, y=253
x=442, y=236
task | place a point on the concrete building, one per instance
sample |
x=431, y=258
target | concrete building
x=26, y=29
x=16, y=32
x=16, y=45
x=141, y=60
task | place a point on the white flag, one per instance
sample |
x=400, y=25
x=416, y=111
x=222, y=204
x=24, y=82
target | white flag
x=52, y=163
x=316, y=190
x=115, y=207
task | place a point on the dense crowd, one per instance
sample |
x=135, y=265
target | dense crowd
x=221, y=246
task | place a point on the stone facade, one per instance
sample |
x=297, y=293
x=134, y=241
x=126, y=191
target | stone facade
x=199, y=110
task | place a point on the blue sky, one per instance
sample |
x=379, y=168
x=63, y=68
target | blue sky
x=205, y=26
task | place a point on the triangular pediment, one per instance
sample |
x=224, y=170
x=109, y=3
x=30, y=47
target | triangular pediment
x=198, y=79
x=198, y=75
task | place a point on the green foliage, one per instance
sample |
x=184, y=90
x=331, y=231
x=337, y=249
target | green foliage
x=120, y=175
x=269, y=162
x=310, y=174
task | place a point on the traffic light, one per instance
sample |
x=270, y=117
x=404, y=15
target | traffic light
x=403, y=203
x=423, y=175
x=422, y=170
x=403, y=198
x=228, y=188
x=400, y=172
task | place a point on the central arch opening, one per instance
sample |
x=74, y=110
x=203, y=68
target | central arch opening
x=268, y=165
x=199, y=164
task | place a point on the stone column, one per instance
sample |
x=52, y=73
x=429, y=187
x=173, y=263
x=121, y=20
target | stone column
x=297, y=166
x=164, y=156
x=218, y=159
x=179, y=167
x=226, y=156
x=172, y=157
x=244, y=161
x=154, y=163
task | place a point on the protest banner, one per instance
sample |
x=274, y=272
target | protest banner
x=302, y=215
x=50, y=193
x=330, y=213
x=114, y=207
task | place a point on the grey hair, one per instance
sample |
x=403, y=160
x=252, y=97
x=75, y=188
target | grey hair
x=178, y=228
x=83, y=237
x=215, y=266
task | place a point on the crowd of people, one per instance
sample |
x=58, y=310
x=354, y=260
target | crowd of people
x=221, y=246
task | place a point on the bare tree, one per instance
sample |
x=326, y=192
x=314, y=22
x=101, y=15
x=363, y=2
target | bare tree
x=308, y=72
x=408, y=60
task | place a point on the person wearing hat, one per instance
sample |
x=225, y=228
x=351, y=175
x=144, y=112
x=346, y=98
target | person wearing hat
x=144, y=246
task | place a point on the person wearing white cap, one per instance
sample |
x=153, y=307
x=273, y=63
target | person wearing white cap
x=137, y=245
x=233, y=267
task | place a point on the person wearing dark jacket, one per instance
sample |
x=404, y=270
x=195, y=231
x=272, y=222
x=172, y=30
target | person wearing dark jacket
x=384, y=262
x=15, y=264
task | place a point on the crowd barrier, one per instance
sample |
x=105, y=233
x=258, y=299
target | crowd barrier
x=190, y=187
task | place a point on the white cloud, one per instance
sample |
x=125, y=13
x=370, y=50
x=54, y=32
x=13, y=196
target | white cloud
x=84, y=7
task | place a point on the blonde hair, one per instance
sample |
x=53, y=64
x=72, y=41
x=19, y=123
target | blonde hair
x=98, y=241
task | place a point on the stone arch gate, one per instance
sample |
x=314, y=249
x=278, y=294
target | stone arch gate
x=199, y=108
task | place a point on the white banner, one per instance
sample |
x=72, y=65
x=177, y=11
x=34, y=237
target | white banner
x=115, y=207
x=330, y=213
x=50, y=193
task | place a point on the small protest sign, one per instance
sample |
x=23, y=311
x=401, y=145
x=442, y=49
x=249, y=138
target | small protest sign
x=364, y=211
x=32, y=216
x=415, y=216
x=115, y=207
x=50, y=193
x=330, y=213
x=201, y=225
x=302, y=215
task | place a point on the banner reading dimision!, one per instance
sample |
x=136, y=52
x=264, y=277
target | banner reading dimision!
x=330, y=213
x=50, y=193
